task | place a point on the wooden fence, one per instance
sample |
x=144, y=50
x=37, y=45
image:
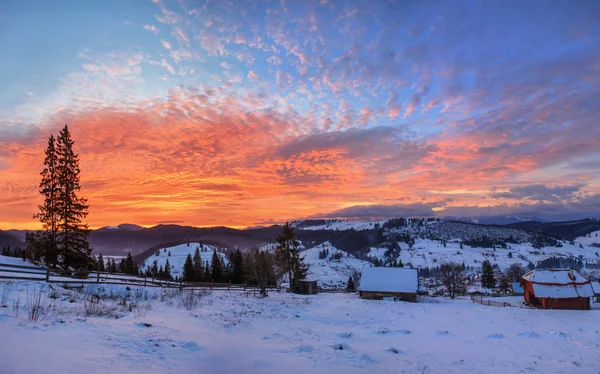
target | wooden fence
x=488, y=302
x=113, y=279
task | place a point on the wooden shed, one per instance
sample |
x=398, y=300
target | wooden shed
x=377, y=283
x=557, y=289
x=306, y=287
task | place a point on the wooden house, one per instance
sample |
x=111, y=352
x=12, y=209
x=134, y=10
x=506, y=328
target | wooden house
x=556, y=289
x=377, y=283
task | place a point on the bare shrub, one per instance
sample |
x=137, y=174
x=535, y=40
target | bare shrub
x=7, y=289
x=93, y=306
x=139, y=293
x=37, y=307
x=17, y=307
x=188, y=300
x=140, y=310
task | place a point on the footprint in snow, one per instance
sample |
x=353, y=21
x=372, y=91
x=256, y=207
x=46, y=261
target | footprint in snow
x=345, y=335
x=304, y=348
x=191, y=346
x=383, y=331
x=340, y=347
x=443, y=333
x=529, y=334
x=495, y=336
x=396, y=351
x=404, y=331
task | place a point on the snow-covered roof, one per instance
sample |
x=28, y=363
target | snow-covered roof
x=596, y=287
x=554, y=276
x=384, y=279
x=564, y=291
x=559, y=283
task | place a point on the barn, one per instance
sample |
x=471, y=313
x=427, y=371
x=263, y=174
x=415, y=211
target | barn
x=377, y=283
x=556, y=289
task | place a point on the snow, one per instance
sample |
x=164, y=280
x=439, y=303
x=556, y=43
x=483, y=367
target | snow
x=563, y=292
x=179, y=254
x=596, y=287
x=555, y=276
x=344, y=225
x=592, y=238
x=389, y=280
x=15, y=261
x=333, y=271
x=431, y=253
x=287, y=333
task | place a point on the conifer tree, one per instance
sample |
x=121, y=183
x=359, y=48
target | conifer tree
x=237, y=267
x=161, y=273
x=167, y=271
x=73, y=245
x=188, y=269
x=216, y=269
x=154, y=269
x=288, y=255
x=207, y=274
x=48, y=212
x=198, y=267
x=129, y=267
x=101, y=267
x=350, y=285
x=487, y=275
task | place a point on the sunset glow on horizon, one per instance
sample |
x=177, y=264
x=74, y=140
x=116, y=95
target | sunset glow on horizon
x=245, y=113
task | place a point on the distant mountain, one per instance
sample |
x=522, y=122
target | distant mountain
x=569, y=230
x=122, y=227
x=495, y=220
x=7, y=239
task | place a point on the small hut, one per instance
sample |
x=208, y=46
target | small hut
x=557, y=289
x=306, y=287
x=377, y=283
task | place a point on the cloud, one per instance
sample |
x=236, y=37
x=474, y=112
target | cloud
x=165, y=44
x=540, y=192
x=152, y=28
x=380, y=212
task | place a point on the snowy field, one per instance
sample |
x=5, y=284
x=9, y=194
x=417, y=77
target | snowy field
x=331, y=272
x=227, y=332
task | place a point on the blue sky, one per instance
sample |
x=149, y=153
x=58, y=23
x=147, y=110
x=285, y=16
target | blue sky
x=450, y=105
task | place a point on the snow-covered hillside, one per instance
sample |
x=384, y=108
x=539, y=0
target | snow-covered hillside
x=430, y=253
x=343, y=225
x=590, y=239
x=333, y=270
x=179, y=254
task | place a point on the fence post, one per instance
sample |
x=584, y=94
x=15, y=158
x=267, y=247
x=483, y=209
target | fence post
x=144, y=281
x=47, y=273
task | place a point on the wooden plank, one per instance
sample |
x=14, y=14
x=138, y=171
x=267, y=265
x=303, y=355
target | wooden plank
x=22, y=267
x=22, y=278
x=23, y=271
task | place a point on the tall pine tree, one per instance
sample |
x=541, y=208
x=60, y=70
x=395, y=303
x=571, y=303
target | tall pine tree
x=237, y=267
x=288, y=255
x=198, y=268
x=216, y=268
x=188, y=269
x=48, y=212
x=101, y=263
x=487, y=275
x=73, y=245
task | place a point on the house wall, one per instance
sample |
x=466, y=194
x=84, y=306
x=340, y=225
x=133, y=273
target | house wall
x=579, y=303
x=375, y=295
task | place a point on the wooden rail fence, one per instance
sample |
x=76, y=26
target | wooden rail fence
x=114, y=279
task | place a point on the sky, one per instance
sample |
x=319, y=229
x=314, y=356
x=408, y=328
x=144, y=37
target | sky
x=244, y=113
